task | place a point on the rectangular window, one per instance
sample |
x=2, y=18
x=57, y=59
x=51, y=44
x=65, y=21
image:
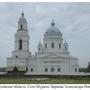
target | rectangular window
x=52, y=45
x=20, y=44
x=52, y=69
x=59, y=45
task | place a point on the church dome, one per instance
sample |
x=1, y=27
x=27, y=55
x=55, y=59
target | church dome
x=53, y=30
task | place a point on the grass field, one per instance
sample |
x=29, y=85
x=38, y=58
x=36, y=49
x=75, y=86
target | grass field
x=25, y=80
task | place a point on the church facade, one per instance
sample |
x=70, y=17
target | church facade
x=52, y=57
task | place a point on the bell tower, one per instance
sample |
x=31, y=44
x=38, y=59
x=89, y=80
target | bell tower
x=21, y=39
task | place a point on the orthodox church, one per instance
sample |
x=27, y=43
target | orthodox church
x=52, y=57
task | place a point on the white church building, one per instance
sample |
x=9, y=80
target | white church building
x=52, y=57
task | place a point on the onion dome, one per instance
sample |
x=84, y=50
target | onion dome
x=22, y=23
x=22, y=19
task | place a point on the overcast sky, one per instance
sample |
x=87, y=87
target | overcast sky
x=73, y=20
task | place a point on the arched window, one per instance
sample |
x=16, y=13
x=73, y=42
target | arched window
x=46, y=70
x=75, y=69
x=52, y=45
x=20, y=44
x=31, y=69
x=21, y=26
x=59, y=45
x=59, y=69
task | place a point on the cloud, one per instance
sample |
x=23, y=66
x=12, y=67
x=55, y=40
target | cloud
x=73, y=20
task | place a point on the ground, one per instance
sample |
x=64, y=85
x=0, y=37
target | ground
x=28, y=80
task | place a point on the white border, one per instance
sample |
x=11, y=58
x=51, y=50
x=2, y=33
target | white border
x=44, y=0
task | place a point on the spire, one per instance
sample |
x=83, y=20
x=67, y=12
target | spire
x=52, y=23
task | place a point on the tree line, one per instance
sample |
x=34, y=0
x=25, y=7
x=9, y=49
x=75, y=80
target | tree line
x=87, y=69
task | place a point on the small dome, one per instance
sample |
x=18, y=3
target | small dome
x=39, y=44
x=53, y=30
